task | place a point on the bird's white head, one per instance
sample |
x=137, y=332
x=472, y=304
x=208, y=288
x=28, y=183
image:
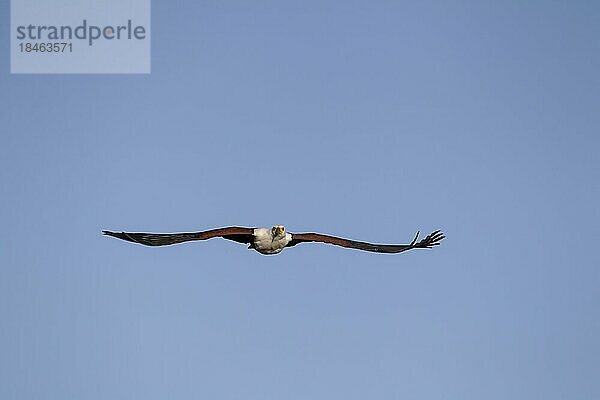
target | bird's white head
x=278, y=231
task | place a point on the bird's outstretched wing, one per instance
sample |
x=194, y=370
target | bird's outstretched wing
x=433, y=239
x=235, y=233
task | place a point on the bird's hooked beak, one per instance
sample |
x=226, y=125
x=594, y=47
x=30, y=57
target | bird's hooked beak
x=278, y=230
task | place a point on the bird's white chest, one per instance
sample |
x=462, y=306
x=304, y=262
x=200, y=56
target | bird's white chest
x=265, y=243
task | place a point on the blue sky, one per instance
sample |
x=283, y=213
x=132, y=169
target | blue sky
x=369, y=121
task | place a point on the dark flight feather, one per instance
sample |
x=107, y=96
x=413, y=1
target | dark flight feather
x=235, y=233
x=428, y=242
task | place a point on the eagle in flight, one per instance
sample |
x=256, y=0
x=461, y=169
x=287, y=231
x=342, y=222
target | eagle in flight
x=273, y=240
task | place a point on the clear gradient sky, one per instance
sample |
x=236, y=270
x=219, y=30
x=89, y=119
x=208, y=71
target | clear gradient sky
x=367, y=120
